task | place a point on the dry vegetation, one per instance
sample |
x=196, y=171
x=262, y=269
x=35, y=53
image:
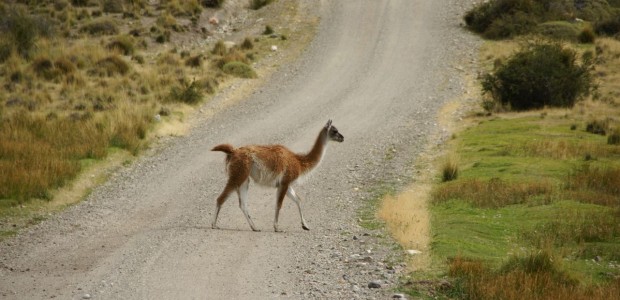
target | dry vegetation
x=81, y=78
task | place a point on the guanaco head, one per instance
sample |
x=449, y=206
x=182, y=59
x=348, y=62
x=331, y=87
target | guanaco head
x=332, y=132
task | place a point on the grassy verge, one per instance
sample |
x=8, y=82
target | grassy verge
x=533, y=208
x=78, y=86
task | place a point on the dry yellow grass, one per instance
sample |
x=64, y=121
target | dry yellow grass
x=408, y=221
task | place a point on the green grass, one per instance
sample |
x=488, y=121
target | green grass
x=525, y=187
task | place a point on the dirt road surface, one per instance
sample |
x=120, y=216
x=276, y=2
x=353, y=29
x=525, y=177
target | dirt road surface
x=380, y=69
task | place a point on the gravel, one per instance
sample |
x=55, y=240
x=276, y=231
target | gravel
x=381, y=72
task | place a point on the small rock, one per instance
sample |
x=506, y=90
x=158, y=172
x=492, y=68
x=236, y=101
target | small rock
x=375, y=284
x=398, y=296
x=274, y=48
x=413, y=252
x=86, y=296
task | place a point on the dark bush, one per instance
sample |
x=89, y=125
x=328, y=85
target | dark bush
x=503, y=18
x=268, y=30
x=79, y=3
x=112, y=6
x=497, y=19
x=212, y=3
x=540, y=75
x=247, y=44
x=586, y=36
x=194, y=61
x=597, y=127
x=19, y=28
x=258, y=4
x=609, y=27
x=614, y=138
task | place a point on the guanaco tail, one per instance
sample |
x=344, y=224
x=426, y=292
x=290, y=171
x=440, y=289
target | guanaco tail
x=271, y=165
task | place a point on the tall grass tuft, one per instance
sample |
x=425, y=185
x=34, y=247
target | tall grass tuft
x=535, y=276
x=449, y=171
x=494, y=193
x=187, y=93
x=595, y=185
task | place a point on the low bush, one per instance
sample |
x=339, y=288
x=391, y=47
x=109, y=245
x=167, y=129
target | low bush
x=100, y=27
x=539, y=75
x=258, y=4
x=112, y=65
x=112, y=6
x=268, y=30
x=559, y=30
x=499, y=19
x=124, y=44
x=239, y=69
x=186, y=93
x=194, y=61
x=212, y=3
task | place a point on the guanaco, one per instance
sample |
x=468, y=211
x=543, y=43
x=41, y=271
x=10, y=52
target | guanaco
x=273, y=166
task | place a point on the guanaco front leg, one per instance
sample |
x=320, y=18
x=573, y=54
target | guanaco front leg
x=291, y=194
x=242, y=191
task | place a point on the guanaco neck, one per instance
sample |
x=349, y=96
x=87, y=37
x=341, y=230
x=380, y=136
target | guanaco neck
x=313, y=158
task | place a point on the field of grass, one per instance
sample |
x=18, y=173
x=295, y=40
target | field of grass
x=534, y=210
x=80, y=80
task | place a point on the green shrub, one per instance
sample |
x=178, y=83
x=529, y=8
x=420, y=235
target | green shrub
x=258, y=4
x=540, y=75
x=559, y=30
x=239, y=69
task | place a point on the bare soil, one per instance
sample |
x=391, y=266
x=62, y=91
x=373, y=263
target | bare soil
x=381, y=70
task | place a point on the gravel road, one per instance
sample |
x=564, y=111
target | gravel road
x=380, y=69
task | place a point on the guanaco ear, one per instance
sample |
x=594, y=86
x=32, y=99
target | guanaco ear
x=329, y=124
